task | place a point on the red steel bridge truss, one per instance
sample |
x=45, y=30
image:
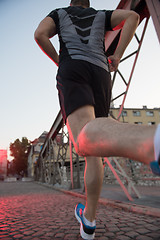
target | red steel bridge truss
x=58, y=151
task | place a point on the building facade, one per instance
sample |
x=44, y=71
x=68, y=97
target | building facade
x=145, y=116
x=35, y=149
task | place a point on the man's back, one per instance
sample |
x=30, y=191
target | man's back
x=81, y=32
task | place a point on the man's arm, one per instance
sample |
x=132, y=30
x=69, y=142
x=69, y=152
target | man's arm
x=128, y=22
x=43, y=33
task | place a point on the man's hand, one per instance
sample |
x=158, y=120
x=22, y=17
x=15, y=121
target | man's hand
x=113, y=63
x=127, y=21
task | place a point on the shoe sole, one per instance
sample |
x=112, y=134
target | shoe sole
x=83, y=234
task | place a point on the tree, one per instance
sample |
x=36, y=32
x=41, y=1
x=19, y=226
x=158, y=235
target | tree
x=19, y=151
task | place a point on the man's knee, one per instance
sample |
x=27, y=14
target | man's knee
x=85, y=140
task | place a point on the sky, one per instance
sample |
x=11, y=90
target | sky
x=28, y=95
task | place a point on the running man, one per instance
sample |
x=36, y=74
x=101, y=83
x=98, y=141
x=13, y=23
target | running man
x=84, y=87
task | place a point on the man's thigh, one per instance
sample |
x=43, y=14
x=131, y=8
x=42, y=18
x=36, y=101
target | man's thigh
x=78, y=119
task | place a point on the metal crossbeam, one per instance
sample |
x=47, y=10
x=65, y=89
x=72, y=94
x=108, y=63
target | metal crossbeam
x=111, y=40
x=132, y=69
x=119, y=170
x=154, y=10
x=118, y=179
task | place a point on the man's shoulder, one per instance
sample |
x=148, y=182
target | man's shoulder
x=54, y=12
x=62, y=8
x=58, y=9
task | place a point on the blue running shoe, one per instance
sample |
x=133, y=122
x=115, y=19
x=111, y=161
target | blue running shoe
x=87, y=232
x=155, y=167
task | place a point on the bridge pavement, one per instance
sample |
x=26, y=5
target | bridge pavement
x=30, y=211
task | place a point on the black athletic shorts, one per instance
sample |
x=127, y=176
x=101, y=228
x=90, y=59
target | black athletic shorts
x=81, y=83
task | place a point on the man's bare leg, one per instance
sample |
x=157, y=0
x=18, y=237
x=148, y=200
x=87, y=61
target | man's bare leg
x=93, y=176
x=104, y=137
x=93, y=179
